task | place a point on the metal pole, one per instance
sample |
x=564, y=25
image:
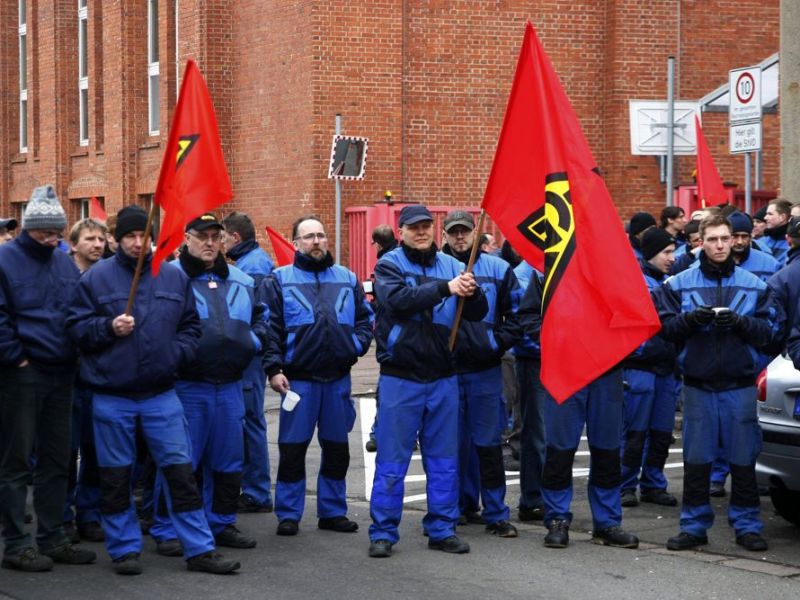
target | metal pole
x=759, y=166
x=670, y=124
x=748, y=201
x=338, y=202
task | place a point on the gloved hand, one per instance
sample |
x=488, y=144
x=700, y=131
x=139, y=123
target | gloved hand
x=726, y=319
x=701, y=316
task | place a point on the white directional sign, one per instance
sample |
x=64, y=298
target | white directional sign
x=745, y=86
x=745, y=137
x=648, y=126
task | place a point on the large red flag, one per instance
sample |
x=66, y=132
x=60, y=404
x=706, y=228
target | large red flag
x=284, y=250
x=710, y=190
x=193, y=178
x=96, y=210
x=548, y=198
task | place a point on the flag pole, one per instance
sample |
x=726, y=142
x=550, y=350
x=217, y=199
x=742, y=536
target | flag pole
x=140, y=263
x=470, y=264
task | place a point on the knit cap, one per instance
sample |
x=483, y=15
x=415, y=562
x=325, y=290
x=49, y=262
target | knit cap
x=740, y=223
x=44, y=211
x=641, y=221
x=654, y=241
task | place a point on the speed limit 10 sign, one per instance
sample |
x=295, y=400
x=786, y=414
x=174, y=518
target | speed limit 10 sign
x=745, y=92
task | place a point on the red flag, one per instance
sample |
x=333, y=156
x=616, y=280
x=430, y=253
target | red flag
x=96, y=210
x=547, y=197
x=193, y=178
x=284, y=250
x=710, y=190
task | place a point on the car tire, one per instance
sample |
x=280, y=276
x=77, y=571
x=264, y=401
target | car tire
x=786, y=503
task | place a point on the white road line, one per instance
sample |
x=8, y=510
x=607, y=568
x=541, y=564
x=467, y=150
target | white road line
x=587, y=452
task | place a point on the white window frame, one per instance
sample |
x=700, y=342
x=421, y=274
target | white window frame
x=153, y=72
x=83, y=75
x=22, y=36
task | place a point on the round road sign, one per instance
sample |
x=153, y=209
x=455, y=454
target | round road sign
x=745, y=87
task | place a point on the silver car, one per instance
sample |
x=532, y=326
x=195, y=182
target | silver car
x=778, y=465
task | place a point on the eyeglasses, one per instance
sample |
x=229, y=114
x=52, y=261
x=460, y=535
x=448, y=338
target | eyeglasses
x=310, y=237
x=214, y=238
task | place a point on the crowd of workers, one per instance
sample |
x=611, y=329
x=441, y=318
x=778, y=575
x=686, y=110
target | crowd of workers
x=168, y=395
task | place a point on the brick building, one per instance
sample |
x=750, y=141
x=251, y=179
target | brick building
x=87, y=90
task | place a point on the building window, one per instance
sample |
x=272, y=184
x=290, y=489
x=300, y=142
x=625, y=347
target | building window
x=83, y=72
x=23, y=77
x=153, y=112
x=146, y=202
x=83, y=208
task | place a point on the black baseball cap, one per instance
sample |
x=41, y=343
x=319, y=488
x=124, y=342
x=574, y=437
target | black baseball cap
x=204, y=222
x=459, y=217
x=9, y=224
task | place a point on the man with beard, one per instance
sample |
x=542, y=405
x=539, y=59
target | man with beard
x=320, y=324
x=777, y=216
x=759, y=263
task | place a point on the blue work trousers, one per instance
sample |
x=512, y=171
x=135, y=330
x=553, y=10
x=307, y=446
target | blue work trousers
x=410, y=408
x=165, y=430
x=728, y=418
x=84, y=492
x=599, y=407
x=256, y=480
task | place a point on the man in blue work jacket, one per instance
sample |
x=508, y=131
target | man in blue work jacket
x=723, y=316
x=130, y=362
x=320, y=323
x=417, y=288
x=479, y=348
x=210, y=387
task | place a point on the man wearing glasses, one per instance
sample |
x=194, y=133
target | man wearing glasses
x=37, y=366
x=320, y=323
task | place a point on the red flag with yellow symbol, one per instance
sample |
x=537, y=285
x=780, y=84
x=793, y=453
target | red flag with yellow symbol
x=548, y=198
x=193, y=178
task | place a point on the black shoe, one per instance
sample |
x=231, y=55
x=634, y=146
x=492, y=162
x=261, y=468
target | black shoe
x=717, y=490
x=233, y=538
x=71, y=532
x=658, y=496
x=371, y=445
x=288, y=527
x=91, y=531
x=616, y=537
x=686, y=541
x=28, y=518
x=557, y=534
x=380, y=549
x=247, y=504
x=211, y=562
x=70, y=554
x=531, y=514
x=171, y=547
x=128, y=564
x=452, y=545
x=340, y=524
x=502, y=529
x=471, y=516
x=752, y=541
x=629, y=498
x=28, y=560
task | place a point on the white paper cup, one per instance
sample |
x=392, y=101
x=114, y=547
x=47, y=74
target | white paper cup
x=290, y=400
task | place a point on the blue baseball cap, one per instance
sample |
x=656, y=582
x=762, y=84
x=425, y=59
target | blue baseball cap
x=414, y=214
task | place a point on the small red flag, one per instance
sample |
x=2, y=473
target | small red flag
x=710, y=190
x=283, y=249
x=193, y=178
x=96, y=210
x=548, y=198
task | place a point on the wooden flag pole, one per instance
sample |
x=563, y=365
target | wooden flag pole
x=478, y=230
x=140, y=263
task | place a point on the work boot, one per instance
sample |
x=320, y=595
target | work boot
x=629, y=499
x=128, y=564
x=557, y=534
x=471, y=516
x=91, y=531
x=29, y=560
x=380, y=549
x=686, y=541
x=658, y=496
x=340, y=524
x=172, y=547
x=531, y=514
x=70, y=554
x=247, y=504
x=615, y=537
x=71, y=532
x=288, y=527
x=451, y=545
x=752, y=542
x=211, y=562
x=502, y=529
x=233, y=538
x=717, y=489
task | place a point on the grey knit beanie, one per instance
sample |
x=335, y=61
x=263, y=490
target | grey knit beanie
x=44, y=210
